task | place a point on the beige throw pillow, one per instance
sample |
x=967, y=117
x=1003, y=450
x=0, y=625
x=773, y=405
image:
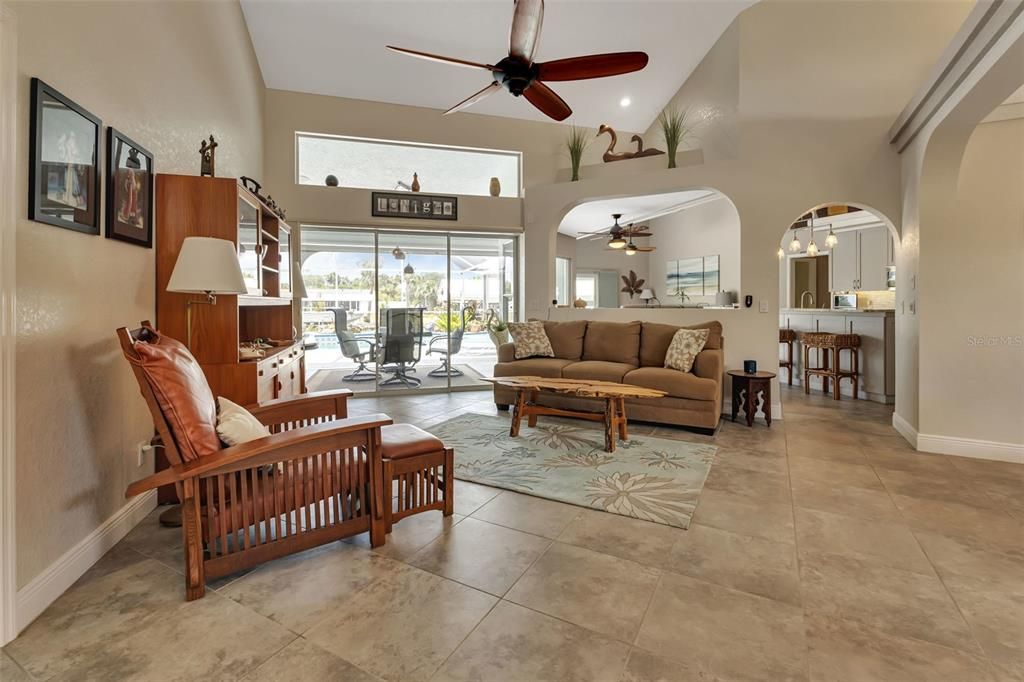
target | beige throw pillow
x=530, y=340
x=685, y=346
x=235, y=424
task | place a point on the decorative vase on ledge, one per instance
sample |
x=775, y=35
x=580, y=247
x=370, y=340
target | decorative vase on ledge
x=495, y=187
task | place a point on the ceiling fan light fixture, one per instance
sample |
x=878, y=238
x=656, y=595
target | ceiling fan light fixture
x=616, y=243
x=630, y=249
x=625, y=102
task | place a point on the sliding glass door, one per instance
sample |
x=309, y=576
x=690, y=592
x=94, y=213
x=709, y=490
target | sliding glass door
x=404, y=311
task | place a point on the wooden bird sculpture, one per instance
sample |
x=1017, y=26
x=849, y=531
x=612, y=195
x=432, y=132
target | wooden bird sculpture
x=611, y=155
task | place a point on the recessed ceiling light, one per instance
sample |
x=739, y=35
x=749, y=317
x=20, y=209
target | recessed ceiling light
x=625, y=102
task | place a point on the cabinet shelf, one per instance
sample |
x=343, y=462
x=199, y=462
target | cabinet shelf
x=267, y=268
x=268, y=236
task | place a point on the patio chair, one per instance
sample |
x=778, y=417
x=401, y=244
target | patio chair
x=316, y=479
x=403, y=332
x=353, y=348
x=448, y=345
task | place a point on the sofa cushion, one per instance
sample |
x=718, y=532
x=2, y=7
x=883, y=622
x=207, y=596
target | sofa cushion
x=685, y=346
x=656, y=337
x=597, y=370
x=566, y=338
x=549, y=368
x=613, y=342
x=183, y=394
x=677, y=384
x=530, y=339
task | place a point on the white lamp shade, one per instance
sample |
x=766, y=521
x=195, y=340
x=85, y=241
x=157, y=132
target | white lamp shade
x=207, y=266
x=646, y=294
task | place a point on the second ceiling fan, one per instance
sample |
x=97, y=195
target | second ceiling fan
x=621, y=238
x=521, y=76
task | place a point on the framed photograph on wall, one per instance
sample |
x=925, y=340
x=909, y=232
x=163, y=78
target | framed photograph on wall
x=129, y=190
x=64, y=167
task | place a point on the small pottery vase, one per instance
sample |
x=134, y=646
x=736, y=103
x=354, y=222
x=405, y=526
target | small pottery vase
x=415, y=182
x=331, y=181
x=495, y=187
x=579, y=303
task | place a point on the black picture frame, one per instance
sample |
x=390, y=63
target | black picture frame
x=414, y=205
x=129, y=218
x=56, y=187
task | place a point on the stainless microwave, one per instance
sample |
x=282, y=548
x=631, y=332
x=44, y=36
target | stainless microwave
x=844, y=301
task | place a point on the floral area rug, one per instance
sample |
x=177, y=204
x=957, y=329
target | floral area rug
x=647, y=478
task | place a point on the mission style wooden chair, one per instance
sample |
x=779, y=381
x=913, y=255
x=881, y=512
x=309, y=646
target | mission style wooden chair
x=316, y=479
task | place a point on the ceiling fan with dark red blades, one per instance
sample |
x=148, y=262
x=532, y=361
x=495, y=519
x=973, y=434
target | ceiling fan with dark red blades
x=522, y=76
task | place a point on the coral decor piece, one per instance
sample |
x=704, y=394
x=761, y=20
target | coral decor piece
x=633, y=284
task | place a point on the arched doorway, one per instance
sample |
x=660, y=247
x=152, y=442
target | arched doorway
x=837, y=274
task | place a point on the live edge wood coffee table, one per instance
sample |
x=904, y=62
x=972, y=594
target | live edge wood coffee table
x=614, y=396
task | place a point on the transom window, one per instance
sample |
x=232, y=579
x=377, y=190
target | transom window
x=389, y=165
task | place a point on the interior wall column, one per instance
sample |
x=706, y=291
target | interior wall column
x=8, y=320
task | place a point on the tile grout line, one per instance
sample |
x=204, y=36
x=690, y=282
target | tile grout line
x=799, y=563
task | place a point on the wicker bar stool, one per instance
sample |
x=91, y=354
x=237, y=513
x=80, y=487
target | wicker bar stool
x=829, y=347
x=787, y=337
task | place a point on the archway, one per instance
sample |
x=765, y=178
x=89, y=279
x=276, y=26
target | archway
x=837, y=273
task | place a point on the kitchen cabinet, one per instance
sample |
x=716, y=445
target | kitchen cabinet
x=843, y=262
x=859, y=259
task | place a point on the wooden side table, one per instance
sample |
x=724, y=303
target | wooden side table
x=746, y=388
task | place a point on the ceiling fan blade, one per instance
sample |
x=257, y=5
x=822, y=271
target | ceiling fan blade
x=591, y=66
x=545, y=99
x=475, y=97
x=646, y=249
x=525, y=34
x=442, y=59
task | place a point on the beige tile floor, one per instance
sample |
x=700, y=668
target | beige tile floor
x=821, y=549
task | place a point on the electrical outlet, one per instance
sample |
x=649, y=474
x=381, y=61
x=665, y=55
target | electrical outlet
x=762, y=306
x=141, y=450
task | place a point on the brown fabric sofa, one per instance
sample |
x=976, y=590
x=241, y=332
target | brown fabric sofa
x=628, y=353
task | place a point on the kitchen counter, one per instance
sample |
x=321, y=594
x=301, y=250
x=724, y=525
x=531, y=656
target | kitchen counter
x=877, y=331
x=828, y=311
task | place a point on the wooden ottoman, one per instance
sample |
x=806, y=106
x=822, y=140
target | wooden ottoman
x=419, y=469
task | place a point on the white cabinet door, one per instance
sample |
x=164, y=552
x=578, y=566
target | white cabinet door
x=843, y=261
x=874, y=256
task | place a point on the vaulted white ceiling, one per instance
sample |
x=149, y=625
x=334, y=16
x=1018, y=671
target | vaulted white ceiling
x=337, y=48
x=596, y=216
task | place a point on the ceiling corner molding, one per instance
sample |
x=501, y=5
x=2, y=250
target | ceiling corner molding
x=988, y=21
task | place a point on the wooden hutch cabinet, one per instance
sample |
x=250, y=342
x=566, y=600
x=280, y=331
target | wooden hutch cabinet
x=189, y=206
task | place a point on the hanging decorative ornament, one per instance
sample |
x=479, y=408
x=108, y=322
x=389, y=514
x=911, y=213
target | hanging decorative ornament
x=407, y=269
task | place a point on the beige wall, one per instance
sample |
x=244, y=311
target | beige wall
x=80, y=415
x=826, y=146
x=542, y=146
x=708, y=229
x=592, y=255
x=972, y=360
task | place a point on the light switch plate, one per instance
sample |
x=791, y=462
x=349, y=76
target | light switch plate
x=762, y=306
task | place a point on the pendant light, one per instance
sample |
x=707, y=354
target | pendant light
x=794, y=245
x=408, y=269
x=831, y=240
x=398, y=253
x=781, y=253
x=617, y=242
x=812, y=248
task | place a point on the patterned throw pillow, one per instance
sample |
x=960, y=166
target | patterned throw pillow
x=685, y=346
x=530, y=340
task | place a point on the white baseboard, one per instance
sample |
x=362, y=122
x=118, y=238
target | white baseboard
x=727, y=410
x=970, y=447
x=44, y=589
x=905, y=429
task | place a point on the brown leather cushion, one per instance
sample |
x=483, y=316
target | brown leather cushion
x=613, y=342
x=550, y=368
x=677, y=384
x=183, y=394
x=598, y=370
x=566, y=338
x=406, y=440
x=655, y=339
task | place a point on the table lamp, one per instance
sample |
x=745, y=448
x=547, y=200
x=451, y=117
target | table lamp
x=647, y=295
x=205, y=266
